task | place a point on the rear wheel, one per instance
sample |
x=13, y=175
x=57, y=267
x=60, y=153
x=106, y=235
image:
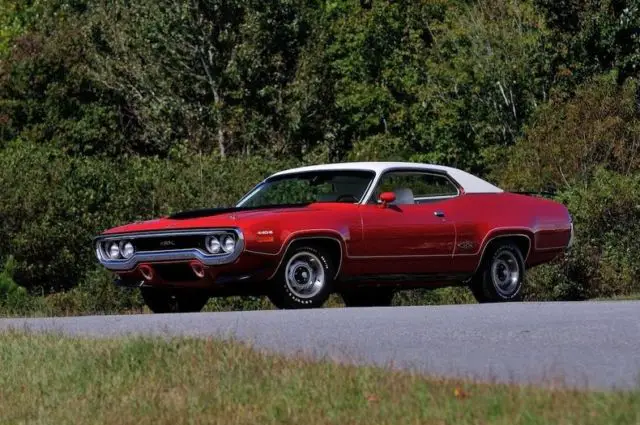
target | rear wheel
x=500, y=276
x=161, y=300
x=304, y=280
x=368, y=297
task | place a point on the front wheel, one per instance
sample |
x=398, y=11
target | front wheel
x=161, y=300
x=500, y=276
x=304, y=279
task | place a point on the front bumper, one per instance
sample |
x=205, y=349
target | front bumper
x=171, y=255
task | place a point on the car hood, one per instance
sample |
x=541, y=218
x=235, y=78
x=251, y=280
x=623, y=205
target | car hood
x=213, y=217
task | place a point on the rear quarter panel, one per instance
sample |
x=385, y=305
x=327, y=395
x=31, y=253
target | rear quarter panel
x=480, y=218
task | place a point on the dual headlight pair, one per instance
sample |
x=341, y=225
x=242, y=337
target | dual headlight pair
x=224, y=243
x=119, y=249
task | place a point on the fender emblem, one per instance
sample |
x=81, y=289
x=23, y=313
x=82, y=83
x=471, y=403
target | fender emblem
x=465, y=245
x=264, y=236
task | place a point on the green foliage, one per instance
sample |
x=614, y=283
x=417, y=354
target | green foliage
x=113, y=111
x=8, y=288
x=569, y=139
x=213, y=72
x=604, y=261
x=488, y=72
x=59, y=202
x=47, y=97
x=592, y=37
x=20, y=16
x=452, y=295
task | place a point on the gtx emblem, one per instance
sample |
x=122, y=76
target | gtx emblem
x=465, y=245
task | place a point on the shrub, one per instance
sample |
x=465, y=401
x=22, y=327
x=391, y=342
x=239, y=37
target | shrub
x=58, y=203
x=568, y=140
x=13, y=298
x=8, y=288
x=605, y=260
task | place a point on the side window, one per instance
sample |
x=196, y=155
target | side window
x=413, y=187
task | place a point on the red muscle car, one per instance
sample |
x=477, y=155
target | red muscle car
x=363, y=230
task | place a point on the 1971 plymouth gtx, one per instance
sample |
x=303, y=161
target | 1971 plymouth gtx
x=363, y=230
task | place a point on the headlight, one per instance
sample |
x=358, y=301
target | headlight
x=113, y=250
x=229, y=243
x=213, y=245
x=127, y=250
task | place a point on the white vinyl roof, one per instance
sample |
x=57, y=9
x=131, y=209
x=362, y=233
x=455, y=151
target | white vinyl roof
x=469, y=182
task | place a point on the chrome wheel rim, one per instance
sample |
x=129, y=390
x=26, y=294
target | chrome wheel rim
x=505, y=274
x=305, y=275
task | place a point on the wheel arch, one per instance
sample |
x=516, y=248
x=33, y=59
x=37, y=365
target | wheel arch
x=328, y=241
x=522, y=239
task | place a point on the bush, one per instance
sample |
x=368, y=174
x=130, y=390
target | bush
x=569, y=140
x=605, y=260
x=58, y=203
x=9, y=290
x=13, y=298
x=452, y=295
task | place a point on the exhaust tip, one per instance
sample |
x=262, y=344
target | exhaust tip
x=147, y=272
x=198, y=269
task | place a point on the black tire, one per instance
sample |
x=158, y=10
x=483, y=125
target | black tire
x=160, y=300
x=368, y=297
x=500, y=276
x=305, y=262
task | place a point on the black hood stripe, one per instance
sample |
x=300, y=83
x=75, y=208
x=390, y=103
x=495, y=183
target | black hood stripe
x=208, y=212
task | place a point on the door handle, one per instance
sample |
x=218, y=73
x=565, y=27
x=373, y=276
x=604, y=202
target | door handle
x=438, y=213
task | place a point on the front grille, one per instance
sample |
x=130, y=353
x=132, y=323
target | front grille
x=165, y=243
x=176, y=272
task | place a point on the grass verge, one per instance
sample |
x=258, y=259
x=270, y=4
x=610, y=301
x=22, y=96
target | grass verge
x=103, y=297
x=52, y=379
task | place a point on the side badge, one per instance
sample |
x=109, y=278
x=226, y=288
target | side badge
x=466, y=245
x=264, y=236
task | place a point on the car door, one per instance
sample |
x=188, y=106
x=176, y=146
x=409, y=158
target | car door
x=413, y=234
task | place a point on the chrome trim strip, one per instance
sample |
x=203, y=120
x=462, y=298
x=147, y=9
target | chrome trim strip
x=169, y=255
x=553, y=248
x=313, y=234
x=366, y=257
x=490, y=236
x=294, y=239
x=168, y=233
x=369, y=193
x=525, y=257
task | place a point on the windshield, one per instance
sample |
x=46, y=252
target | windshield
x=308, y=187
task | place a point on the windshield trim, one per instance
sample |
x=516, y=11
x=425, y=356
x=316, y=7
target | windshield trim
x=372, y=174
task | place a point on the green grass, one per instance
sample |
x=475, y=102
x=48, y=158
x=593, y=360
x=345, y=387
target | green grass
x=49, y=379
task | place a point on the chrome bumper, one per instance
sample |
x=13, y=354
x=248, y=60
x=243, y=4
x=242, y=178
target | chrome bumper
x=205, y=258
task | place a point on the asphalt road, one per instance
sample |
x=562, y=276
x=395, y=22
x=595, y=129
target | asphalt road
x=584, y=344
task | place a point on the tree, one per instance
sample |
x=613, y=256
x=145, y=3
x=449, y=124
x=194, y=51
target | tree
x=569, y=140
x=200, y=70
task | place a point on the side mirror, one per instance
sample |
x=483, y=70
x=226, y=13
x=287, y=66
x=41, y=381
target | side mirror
x=387, y=198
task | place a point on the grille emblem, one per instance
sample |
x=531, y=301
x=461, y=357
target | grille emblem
x=168, y=243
